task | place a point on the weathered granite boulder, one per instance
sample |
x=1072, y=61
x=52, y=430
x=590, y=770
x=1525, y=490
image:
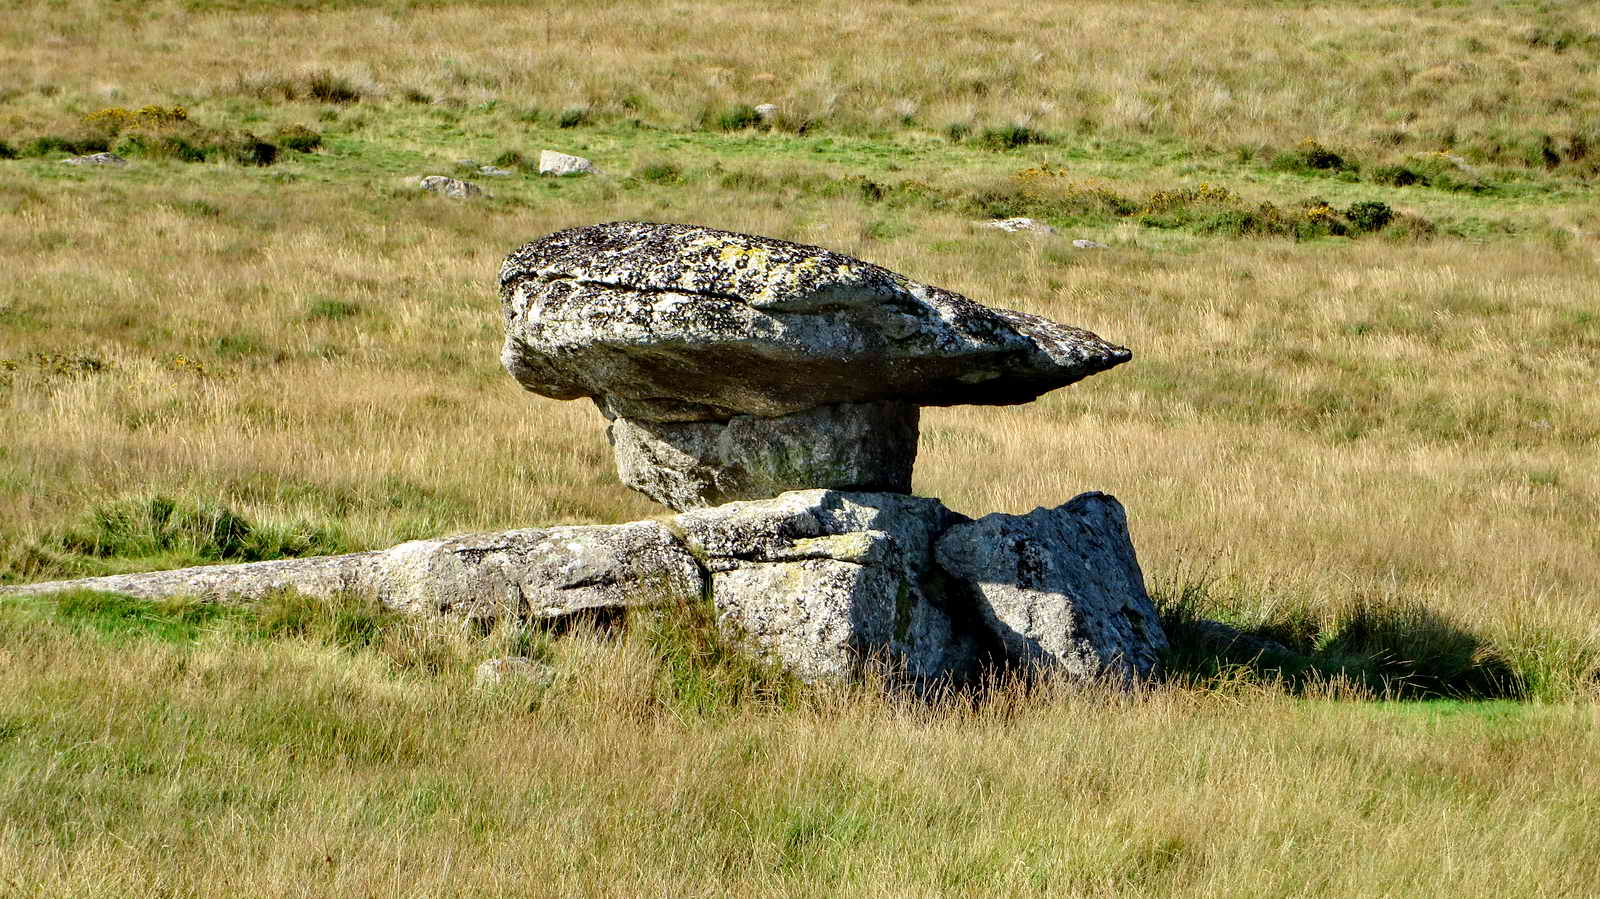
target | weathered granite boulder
x=818, y=581
x=850, y=446
x=559, y=164
x=821, y=581
x=1060, y=586
x=110, y=159
x=525, y=574
x=454, y=188
x=680, y=323
x=1020, y=224
x=538, y=573
x=247, y=582
x=674, y=323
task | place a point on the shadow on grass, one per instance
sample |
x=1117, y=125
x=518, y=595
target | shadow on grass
x=1388, y=649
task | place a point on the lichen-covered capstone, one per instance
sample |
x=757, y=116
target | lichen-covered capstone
x=664, y=322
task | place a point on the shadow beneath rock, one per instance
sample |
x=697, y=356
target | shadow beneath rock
x=1393, y=650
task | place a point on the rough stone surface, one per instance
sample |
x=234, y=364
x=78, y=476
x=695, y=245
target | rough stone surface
x=684, y=465
x=494, y=171
x=1060, y=586
x=539, y=573
x=554, y=163
x=531, y=573
x=450, y=187
x=680, y=323
x=1020, y=224
x=766, y=111
x=821, y=581
x=111, y=159
x=1086, y=244
x=513, y=668
x=319, y=576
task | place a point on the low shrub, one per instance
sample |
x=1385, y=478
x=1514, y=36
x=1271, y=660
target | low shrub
x=1398, y=176
x=1310, y=158
x=659, y=172
x=1010, y=137
x=326, y=87
x=572, y=118
x=737, y=118
x=298, y=138
x=7, y=151
x=1369, y=215
x=957, y=132
x=159, y=146
x=246, y=149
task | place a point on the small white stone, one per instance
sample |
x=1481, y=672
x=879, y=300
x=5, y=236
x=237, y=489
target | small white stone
x=1085, y=244
x=498, y=671
x=1015, y=225
x=766, y=111
x=552, y=162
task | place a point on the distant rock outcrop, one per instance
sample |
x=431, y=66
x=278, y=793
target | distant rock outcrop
x=454, y=188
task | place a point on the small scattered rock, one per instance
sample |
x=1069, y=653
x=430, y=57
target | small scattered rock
x=766, y=111
x=1085, y=244
x=554, y=163
x=494, y=171
x=97, y=159
x=1015, y=225
x=498, y=671
x=450, y=187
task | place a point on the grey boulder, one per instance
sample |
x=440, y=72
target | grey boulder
x=554, y=163
x=521, y=574
x=454, y=188
x=851, y=446
x=538, y=573
x=1060, y=587
x=681, y=323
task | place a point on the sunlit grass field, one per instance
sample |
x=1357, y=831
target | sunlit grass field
x=1368, y=433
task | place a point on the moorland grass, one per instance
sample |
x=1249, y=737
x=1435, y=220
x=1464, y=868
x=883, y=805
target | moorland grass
x=1360, y=421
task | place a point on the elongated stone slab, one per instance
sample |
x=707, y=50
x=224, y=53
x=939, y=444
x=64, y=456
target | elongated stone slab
x=533, y=573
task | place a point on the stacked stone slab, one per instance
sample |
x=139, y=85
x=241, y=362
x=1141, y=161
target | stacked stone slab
x=769, y=392
x=736, y=367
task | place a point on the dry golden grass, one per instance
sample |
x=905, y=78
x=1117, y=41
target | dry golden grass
x=1489, y=77
x=291, y=768
x=1308, y=429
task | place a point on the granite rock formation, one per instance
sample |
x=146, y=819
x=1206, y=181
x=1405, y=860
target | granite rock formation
x=673, y=323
